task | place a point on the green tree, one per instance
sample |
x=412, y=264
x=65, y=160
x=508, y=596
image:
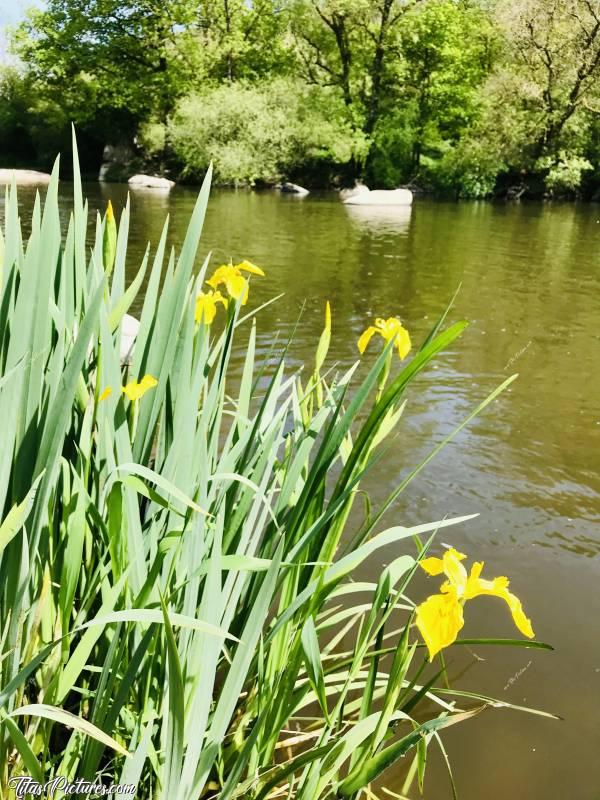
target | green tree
x=537, y=125
x=33, y=128
x=352, y=45
x=118, y=67
x=447, y=50
x=237, y=39
x=554, y=47
x=408, y=71
x=462, y=95
x=114, y=59
x=261, y=133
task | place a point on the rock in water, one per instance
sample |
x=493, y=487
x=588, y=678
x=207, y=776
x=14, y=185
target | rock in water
x=24, y=177
x=380, y=197
x=358, y=188
x=150, y=182
x=293, y=188
x=130, y=327
x=117, y=163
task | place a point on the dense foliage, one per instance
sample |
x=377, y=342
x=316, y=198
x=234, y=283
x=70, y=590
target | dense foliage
x=468, y=97
x=258, y=132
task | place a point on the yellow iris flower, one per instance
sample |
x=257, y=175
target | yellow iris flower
x=389, y=329
x=248, y=266
x=440, y=617
x=135, y=390
x=106, y=393
x=231, y=277
x=206, y=306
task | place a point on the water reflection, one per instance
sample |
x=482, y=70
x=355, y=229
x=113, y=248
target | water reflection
x=381, y=219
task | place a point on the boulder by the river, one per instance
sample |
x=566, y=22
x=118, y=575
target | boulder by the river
x=150, y=182
x=353, y=191
x=24, y=177
x=113, y=172
x=293, y=188
x=118, y=162
x=378, y=197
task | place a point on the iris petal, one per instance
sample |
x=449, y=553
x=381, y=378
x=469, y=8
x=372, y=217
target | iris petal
x=440, y=617
x=390, y=329
x=432, y=565
x=134, y=390
x=248, y=266
x=366, y=337
x=439, y=620
x=206, y=306
x=498, y=587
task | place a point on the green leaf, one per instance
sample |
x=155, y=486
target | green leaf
x=60, y=411
x=312, y=660
x=17, y=516
x=123, y=305
x=373, y=768
x=109, y=242
x=175, y=713
x=133, y=767
x=154, y=616
x=161, y=482
x=70, y=720
x=20, y=742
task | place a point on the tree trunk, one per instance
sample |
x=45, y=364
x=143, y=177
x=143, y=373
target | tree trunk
x=338, y=25
x=377, y=68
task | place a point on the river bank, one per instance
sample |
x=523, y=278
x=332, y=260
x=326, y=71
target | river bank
x=509, y=192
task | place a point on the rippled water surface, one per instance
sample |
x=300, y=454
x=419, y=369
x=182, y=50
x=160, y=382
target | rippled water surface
x=529, y=278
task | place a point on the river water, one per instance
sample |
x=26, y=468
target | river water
x=529, y=278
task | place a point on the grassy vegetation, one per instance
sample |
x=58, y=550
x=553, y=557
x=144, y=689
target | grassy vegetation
x=178, y=602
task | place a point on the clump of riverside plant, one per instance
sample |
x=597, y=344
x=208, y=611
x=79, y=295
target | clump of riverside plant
x=177, y=603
